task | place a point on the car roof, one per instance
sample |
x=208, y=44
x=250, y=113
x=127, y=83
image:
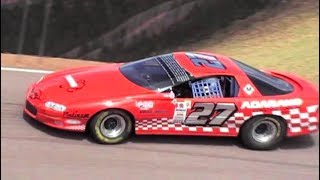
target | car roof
x=202, y=70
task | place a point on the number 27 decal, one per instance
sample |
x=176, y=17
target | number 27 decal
x=210, y=113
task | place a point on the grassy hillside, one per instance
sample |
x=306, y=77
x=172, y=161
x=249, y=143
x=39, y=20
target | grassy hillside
x=285, y=37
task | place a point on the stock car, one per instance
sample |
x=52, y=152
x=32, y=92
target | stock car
x=180, y=93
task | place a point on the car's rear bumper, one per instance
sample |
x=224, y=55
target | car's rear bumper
x=303, y=121
x=302, y=130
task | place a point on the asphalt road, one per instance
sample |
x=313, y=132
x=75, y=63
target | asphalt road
x=30, y=150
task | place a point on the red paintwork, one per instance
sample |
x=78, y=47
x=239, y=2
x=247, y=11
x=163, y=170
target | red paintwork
x=101, y=84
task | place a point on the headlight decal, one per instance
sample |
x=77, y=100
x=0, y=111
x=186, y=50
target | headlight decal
x=55, y=106
x=73, y=121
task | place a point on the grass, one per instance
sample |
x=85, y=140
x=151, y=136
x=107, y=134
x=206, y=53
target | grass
x=285, y=38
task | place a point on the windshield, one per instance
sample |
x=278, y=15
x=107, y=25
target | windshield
x=266, y=84
x=156, y=73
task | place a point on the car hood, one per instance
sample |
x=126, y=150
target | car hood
x=95, y=82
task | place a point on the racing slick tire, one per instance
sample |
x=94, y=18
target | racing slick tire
x=111, y=127
x=263, y=133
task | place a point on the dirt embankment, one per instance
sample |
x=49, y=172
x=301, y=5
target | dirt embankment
x=45, y=63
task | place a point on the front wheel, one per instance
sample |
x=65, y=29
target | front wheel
x=111, y=127
x=263, y=132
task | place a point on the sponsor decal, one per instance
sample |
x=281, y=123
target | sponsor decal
x=58, y=122
x=35, y=94
x=75, y=114
x=180, y=111
x=248, y=89
x=154, y=111
x=179, y=115
x=271, y=103
x=144, y=105
x=160, y=111
x=145, y=111
x=186, y=103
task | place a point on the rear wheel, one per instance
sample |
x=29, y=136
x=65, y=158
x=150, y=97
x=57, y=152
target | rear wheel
x=263, y=133
x=111, y=127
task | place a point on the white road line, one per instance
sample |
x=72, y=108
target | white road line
x=25, y=70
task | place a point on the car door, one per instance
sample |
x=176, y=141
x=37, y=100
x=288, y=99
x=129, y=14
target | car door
x=207, y=109
x=167, y=114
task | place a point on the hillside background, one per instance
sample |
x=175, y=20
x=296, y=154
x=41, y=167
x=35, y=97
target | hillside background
x=273, y=34
x=112, y=29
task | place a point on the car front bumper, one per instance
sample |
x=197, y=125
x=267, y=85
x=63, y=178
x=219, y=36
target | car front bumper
x=36, y=109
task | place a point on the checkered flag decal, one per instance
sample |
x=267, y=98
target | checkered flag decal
x=299, y=120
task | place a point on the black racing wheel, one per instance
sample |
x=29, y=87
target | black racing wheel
x=263, y=132
x=111, y=126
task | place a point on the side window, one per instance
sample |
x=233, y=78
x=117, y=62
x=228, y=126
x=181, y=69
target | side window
x=209, y=87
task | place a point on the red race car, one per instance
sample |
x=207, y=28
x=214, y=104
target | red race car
x=181, y=93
